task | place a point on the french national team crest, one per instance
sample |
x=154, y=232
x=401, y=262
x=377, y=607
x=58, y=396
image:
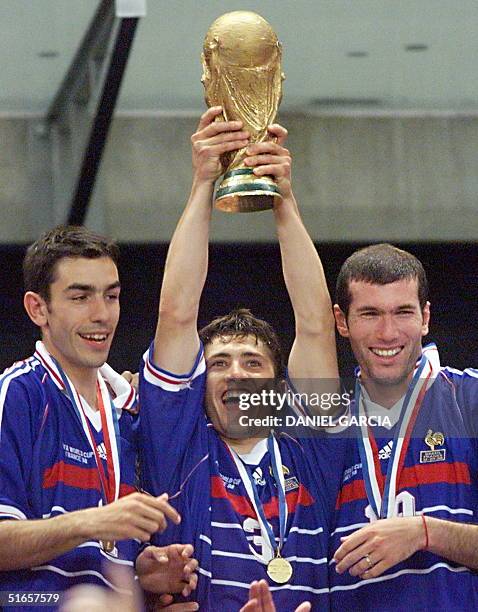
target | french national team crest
x=433, y=455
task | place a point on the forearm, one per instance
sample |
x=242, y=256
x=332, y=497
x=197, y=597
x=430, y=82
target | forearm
x=186, y=264
x=457, y=542
x=176, y=340
x=28, y=543
x=303, y=271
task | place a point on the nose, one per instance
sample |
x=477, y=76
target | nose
x=387, y=329
x=99, y=312
x=235, y=371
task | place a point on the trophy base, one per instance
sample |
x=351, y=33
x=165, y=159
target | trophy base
x=242, y=191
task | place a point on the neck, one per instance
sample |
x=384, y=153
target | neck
x=244, y=446
x=386, y=395
x=84, y=379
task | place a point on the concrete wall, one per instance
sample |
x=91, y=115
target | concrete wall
x=357, y=178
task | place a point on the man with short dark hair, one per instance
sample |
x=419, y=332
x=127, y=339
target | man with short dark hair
x=404, y=536
x=68, y=506
x=254, y=506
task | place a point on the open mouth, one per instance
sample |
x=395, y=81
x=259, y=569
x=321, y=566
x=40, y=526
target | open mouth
x=386, y=353
x=96, y=338
x=233, y=397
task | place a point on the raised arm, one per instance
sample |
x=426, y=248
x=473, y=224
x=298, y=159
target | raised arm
x=176, y=340
x=313, y=354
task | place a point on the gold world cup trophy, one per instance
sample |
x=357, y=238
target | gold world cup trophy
x=242, y=73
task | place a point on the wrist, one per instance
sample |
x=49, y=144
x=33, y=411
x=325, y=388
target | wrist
x=424, y=537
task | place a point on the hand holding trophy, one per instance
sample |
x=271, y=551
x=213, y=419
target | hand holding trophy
x=242, y=73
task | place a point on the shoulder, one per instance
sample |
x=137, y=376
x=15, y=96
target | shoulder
x=22, y=385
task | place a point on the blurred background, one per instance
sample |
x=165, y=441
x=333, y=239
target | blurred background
x=98, y=100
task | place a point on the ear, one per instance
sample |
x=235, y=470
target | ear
x=426, y=318
x=341, y=321
x=36, y=308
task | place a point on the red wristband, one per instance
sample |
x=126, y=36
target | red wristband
x=426, y=532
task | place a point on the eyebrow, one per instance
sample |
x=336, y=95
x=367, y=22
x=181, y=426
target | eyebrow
x=401, y=307
x=246, y=354
x=91, y=288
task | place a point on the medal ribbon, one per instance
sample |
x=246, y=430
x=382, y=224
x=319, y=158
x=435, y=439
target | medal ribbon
x=381, y=493
x=110, y=429
x=245, y=473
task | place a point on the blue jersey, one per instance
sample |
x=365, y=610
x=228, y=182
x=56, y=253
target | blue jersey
x=184, y=456
x=47, y=468
x=442, y=483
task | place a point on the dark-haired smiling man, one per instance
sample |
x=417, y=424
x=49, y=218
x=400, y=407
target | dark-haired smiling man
x=68, y=509
x=404, y=534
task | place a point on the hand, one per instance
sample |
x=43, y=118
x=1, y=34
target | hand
x=271, y=158
x=260, y=599
x=97, y=599
x=385, y=542
x=164, y=603
x=211, y=140
x=134, y=516
x=133, y=379
x=169, y=569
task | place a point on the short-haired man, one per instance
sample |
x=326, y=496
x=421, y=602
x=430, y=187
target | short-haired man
x=257, y=506
x=68, y=508
x=404, y=537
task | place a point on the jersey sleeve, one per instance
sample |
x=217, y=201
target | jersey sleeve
x=20, y=410
x=173, y=428
x=466, y=391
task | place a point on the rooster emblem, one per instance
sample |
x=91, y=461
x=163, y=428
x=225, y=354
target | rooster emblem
x=434, y=439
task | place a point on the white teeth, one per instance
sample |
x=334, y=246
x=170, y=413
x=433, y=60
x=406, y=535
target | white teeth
x=386, y=352
x=95, y=337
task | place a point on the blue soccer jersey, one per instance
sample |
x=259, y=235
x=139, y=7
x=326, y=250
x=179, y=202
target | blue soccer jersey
x=184, y=456
x=48, y=467
x=438, y=478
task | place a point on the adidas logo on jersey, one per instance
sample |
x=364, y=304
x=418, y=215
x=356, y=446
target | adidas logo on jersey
x=258, y=477
x=386, y=451
x=101, y=450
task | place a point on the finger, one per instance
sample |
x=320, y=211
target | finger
x=277, y=170
x=376, y=570
x=265, y=596
x=209, y=116
x=218, y=127
x=127, y=375
x=361, y=566
x=223, y=137
x=266, y=158
x=252, y=605
x=279, y=132
x=166, y=599
x=354, y=557
x=304, y=607
x=188, y=550
x=181, y=607
x=191, y=566
x=167, y=509
x=267, y=147
x=349, y=543
x=225, y=147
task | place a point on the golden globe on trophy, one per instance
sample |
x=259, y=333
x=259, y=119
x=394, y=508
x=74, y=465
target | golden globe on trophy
x=242, y=73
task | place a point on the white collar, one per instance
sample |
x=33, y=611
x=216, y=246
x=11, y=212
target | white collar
x=125, y=395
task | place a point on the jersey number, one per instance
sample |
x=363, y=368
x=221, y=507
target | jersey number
x=404, y=506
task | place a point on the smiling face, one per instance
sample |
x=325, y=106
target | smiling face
x=79, y=320
x=385, y=326
x=231, y=361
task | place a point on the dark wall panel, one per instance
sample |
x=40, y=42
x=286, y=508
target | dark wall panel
x=250, y=275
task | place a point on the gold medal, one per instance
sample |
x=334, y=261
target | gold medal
x=107, y=545
x=279, y=570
